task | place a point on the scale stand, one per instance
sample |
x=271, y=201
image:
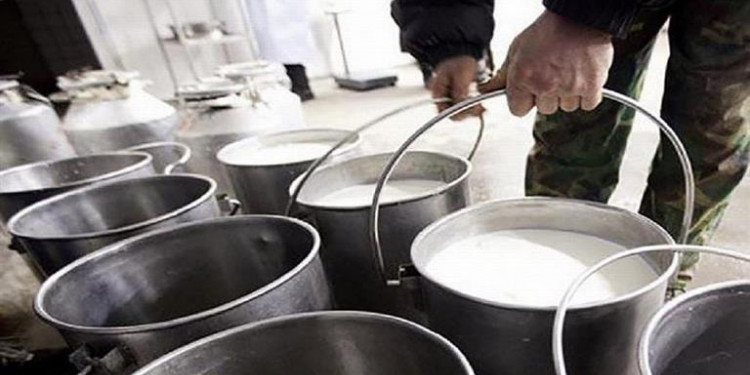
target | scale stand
x=361, y=81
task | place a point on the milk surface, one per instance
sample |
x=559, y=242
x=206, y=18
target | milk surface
x=534, y=267
x=281, y=154
x=395, y=190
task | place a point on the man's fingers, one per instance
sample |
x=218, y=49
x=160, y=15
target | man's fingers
x=591, y=101
x=497, y=82
x=570, y=103
x=520, y=102
x=547, y=104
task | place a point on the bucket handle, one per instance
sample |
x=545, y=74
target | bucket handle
x=117, y=361
x=687, y=170
x=558, y=354
x=184, y=152
x=230, y=206
x=352, y=136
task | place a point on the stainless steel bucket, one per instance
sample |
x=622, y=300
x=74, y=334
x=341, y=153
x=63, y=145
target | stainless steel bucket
x=331, y=343
x=26, y=184
x=60, y=229
x=702, y=332
x=347, y=255
x=514, y=339
x=264, y=188
x=150, y=294
x=168, y=156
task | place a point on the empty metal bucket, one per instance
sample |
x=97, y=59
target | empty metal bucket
x=508, y=339
x=263, y=185
x=701, y=332
x=60, y=229
x=347, y=254
x=331, y=343
x=26, y=184
x=150, y=294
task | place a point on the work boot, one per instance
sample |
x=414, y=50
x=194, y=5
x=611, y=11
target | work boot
x=300, y=83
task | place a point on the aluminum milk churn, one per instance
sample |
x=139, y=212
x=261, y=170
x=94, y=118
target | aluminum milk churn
x=214, y=113
x=29, y=128
x=110, y=110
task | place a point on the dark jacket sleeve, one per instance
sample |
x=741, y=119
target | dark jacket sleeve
x=433, y=30
x=611, y=16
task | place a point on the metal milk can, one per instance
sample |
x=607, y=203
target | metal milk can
x=26, y=184
x=147, y=295
x=347, y=254
x=327, y=342
x=514, y=339
x=270, y=85
x=110, y=110
x=703, y=331
x=29, y=127
x=215, y=113
x=61, y=229
x=263, y=186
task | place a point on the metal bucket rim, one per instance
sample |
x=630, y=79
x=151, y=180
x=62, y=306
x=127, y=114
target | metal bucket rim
x=662, y=277
x=644, y=355
x=124, y=245
x=212, y=186
x=426, y=195
x=141, y=146
x=223, y=159
x=115, y=173
x=338, y=314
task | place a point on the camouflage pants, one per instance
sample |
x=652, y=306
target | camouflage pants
x=706, y=101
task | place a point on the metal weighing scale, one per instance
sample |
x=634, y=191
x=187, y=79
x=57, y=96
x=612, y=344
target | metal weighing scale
x=360, y=81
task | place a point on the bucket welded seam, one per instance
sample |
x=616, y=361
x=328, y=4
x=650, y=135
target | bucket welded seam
x=355, y=141
x=330, y=315
x=119, y=172
x=124, y=245
x=446, y=186
x=203, y=198
x=663, y=276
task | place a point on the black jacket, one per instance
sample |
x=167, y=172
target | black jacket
x=432, y=30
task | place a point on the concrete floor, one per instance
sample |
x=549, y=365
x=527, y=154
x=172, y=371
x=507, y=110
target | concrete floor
x=499, y=168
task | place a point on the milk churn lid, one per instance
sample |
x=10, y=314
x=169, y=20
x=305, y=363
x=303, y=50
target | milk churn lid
x=210, y=88
x=80, y=80
x=8, y=84
x=250, y=69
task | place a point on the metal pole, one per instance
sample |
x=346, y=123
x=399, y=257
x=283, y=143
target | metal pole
x=104, y=30
x=248, y=30
x=341, y=42
x=160, y=43
x=181, y=38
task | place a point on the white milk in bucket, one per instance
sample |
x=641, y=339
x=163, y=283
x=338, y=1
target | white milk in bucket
x=286, y=153
x=534, y=267
x=395, y=190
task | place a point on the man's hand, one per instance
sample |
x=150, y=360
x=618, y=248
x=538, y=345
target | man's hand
x=453, y=77
x=556, y=63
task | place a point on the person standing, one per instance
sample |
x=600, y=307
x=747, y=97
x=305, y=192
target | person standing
x=559, y=65
x=282, y=30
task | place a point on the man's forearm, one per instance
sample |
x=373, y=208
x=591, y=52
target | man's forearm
x=434, y=30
